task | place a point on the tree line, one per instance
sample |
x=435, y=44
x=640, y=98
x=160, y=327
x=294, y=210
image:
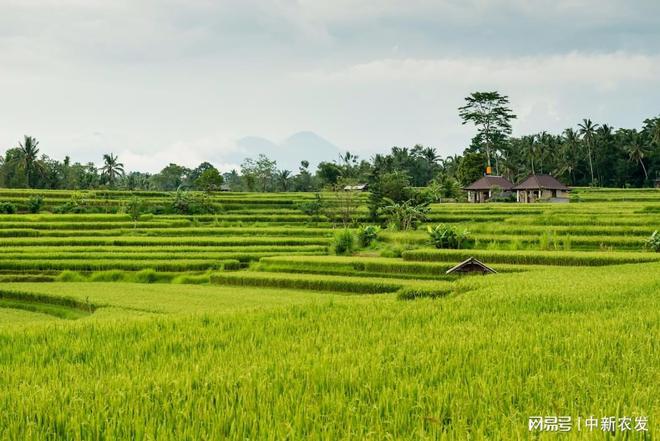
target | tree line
x=589, y=154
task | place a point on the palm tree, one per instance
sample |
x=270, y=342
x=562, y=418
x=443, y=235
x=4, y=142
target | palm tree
x=111, y=169
x=531, y=150
x=567, y=162
x=28, y=158
x=637, y=151
x=588, y=130
x=284, y=179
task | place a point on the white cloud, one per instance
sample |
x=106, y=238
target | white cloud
x=160, y=81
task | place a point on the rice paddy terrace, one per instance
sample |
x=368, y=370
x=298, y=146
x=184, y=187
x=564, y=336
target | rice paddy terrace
x=244, y=324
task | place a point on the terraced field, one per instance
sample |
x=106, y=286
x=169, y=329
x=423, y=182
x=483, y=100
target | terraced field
x=246, y=325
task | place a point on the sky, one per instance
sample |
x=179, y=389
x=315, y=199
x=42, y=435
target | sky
x=186, y=81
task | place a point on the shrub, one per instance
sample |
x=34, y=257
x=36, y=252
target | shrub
x=313, y=208
x=367, y=235
x=70, y=276
x=35, y=203
x=146, y=276
x=447, y=236
x=415, y=292
x=107, y=276
x=134, y=209
x=7, y=208
x=395, y=250
x=653, y=242
x=185, y=202
x=406, y=215
x=344, y=242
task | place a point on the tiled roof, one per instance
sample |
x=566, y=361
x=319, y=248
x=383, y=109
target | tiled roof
x=536, y=182
x=488, y=182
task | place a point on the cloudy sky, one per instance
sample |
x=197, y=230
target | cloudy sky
x=159, y=81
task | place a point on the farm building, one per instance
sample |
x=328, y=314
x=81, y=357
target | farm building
x=541, y=188
x=358, y=187
x=471, y=266
x=485, y=188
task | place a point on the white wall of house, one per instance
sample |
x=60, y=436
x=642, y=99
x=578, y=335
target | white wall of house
x=528, y=196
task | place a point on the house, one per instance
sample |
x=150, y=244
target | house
x=358, y=187
x=541, y=188
x=486, y=187
x=471, y=265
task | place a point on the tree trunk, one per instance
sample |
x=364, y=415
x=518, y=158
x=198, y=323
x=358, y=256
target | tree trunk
x=646, y=175
x=591, y=166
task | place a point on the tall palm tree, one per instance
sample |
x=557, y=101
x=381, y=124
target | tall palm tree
x=588, y=131
x=531, y=150
x=568, y=160
x=112, y=168
x=28, y=158
x=637, y=151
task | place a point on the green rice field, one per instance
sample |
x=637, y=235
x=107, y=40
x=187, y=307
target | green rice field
x=245, y=324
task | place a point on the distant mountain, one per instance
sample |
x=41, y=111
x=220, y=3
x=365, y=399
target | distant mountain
x=288, y=153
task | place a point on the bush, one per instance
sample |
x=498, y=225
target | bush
x=653, y=242
x=447, y=236
x=146, y=276
x=7, y=208
x=107, y=276
x=415, y=292
x=344, y=242
x=406, y=215
x=35, y=203
x=313, y=208
x=367, y=235
x=134, y=209
x=70, y=276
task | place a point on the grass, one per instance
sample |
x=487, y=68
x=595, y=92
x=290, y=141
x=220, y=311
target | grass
x=114, y=331
x=342, y=367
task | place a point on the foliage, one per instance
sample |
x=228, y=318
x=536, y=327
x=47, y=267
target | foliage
x=448, y=236
x=134, y=208
x=653, y=242
x=210, y=180
x=76, y=204
x=313, y=208
x=111, y=170
x=406, y=215
x=35, y=203
x=185, y=202
x=367, y=234
x=344, y=206
x=259, y=174
x=490, y=113
x=344, y=242
x=7, y=208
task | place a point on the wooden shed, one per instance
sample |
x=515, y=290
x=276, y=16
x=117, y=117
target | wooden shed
x=471, y=265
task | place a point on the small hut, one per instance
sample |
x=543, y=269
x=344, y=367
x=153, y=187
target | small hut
x=486, y=187
x=541, y=188
x=358, y=187
x=471, y=265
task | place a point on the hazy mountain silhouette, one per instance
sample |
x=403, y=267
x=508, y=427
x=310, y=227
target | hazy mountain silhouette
x=287, y=153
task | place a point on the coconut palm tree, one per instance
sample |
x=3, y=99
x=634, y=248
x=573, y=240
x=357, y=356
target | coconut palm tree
x=112, y=169
x=531, y=150
x=637, y=150
x=284, y=179
x=28, y=159
x=567, y=161
x=588, y=131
